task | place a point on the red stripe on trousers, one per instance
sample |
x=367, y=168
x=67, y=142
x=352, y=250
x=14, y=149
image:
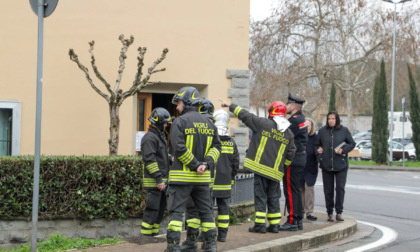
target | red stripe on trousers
x=289, y=192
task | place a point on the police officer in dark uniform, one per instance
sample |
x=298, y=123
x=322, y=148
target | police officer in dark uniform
x=270, y=150
x=196, y=147
x=294, y=171
x=154, y=150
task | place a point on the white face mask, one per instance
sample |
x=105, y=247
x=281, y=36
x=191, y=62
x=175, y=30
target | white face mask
x=282, y=123
x=223, y=131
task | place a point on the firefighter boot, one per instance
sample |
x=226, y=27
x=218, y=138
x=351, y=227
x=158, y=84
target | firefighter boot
x=221, y=234
x=210, y=244
x=258, y=228
x=190, y=244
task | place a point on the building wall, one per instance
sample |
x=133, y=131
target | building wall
x=205, y=38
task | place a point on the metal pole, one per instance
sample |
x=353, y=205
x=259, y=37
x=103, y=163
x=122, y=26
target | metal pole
x=403, y=116
x=41, y=6
x=391, y=128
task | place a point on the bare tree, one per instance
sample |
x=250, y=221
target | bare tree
x=116, y=95
x=308, y=43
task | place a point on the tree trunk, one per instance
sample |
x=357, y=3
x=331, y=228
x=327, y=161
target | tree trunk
x=350, y=111
x=114, y=129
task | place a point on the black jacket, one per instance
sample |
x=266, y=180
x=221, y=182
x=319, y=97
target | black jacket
x=269, y=150
x=226, y=168
x=300, y=131
x=194, y=140
x=329, y=139
x=154, y=151
x=310, y=172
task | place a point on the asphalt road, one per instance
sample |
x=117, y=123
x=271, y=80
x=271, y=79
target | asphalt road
x=387, y=204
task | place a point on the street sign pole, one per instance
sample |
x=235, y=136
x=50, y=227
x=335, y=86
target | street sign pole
x=403, y=120
x=42, y=8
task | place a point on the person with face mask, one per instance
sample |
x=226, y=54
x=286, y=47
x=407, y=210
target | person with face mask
x=270, y=150
x=154, y=149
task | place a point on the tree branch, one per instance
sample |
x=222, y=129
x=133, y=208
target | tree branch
x=95, y=69
x=75, y=58
x=126, y=43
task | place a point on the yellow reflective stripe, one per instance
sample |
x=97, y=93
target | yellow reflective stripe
x=146, y=225
x=232, y=182
x=214, y=153
x=260, y=214
x=189, y=176
x=175, y=226
x=260, y=149
x=227, y=150
x=209, y=142
x=151, y=182
x=279, y=156
x=206, y=226
x=155, y=230
x=186, y=157
x=146, y=231
x=262, y=169
x=153, y=167
x=193, y=223
x=237, y=110
x=223, y=225
x=273, y=215
x=287, y=162
x=257, y=220
x=276, y=221
x=156, y=225
x=222, y=187
x=223, y=217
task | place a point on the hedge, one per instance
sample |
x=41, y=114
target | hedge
x=84, y=187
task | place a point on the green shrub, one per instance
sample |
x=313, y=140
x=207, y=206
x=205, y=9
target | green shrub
x=85, y=187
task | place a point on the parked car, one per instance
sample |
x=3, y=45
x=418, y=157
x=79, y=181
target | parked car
x=404, y=141
x=409, y=150
x=365, y=150
x=362, y=135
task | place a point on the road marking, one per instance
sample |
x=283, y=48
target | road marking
x=389, y=235
x=399, y=189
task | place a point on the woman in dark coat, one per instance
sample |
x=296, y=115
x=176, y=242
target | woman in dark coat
x=310, y=173
x=333, y=143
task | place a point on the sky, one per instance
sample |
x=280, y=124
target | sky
x=260, y=9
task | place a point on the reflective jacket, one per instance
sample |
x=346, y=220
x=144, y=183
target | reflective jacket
x=270, y=149
x=300, y=131
x=154, y=151
x=226, y=168
x=194, y=140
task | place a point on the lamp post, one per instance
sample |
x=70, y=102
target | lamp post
x=391, y=128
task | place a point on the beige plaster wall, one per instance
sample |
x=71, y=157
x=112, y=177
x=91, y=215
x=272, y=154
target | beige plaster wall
x=205, y=38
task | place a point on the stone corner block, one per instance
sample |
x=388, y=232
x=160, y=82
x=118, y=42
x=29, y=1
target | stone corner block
x=237, y=73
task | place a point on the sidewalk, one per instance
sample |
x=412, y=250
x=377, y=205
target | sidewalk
x=314, y=233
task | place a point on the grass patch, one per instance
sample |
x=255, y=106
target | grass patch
x=394, y=163
x=57, y=242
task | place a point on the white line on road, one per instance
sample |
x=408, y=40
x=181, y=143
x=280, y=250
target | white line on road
x=399, y=189
x=389, y=235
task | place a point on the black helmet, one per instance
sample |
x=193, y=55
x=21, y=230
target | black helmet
x=189, y=95
x=206, y=108
x=159, y=116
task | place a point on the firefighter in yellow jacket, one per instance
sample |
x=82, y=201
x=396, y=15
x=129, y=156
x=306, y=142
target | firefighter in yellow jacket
x=154, y=149
x=271, y=148
x=196, y=147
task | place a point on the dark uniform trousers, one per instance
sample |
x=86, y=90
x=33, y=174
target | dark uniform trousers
x=153, y=213
x=178, y=198
x=222, y=216
x=340, y=183
x=192, y=217
x=266, y=194
x=292, y=192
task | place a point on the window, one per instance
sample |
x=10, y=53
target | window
x=10, y=113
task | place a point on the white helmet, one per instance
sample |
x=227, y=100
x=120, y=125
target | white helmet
x=221, y=119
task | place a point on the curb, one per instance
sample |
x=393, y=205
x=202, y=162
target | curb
x=307, y=240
